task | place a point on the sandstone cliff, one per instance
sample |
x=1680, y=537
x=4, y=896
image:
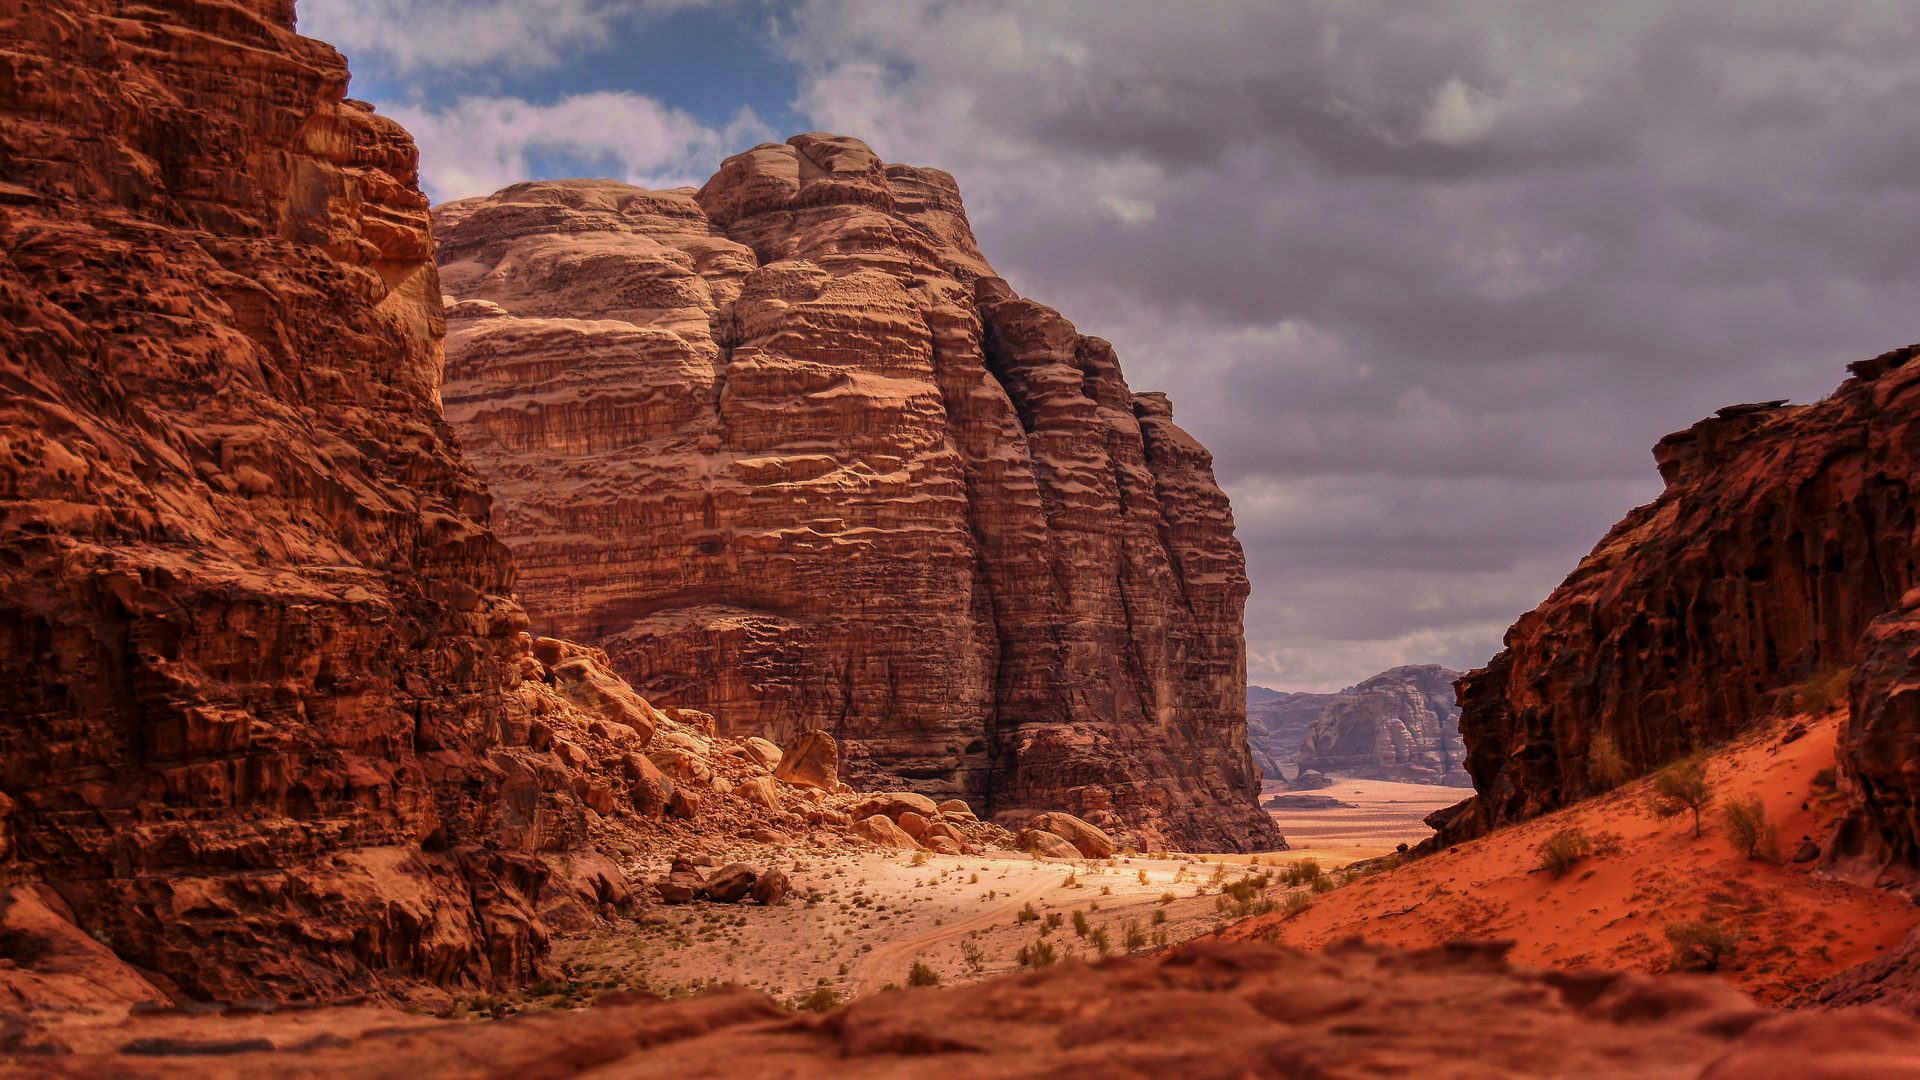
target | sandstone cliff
x=1400, y=725
x=788, y=451
x=1275, y=728
x=1782, y=548
x=254, y=634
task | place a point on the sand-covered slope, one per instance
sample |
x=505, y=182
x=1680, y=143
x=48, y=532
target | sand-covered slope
x=1611, y=910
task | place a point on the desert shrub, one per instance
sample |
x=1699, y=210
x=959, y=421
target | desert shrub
x=820, y=999
x=1702, y=944
x=1827, y=779
x=922, y=975
x=1073, y=880
x=1606, y=767
x=1167, y=898
x=1682, y=787
x=1143, y=877
x=1297, y=903
x=1822, y=691
x=919, y=858
x=1054, y=919
x=1037, y=955
x=1080, y=924
x=1323, y=884
x=1027, y=914
x=1101, y=941
x=1304, y=872
x=1134, y=939
x=1749, y=828
x=970, y=953
x=1560, y=851
x=1159, y=916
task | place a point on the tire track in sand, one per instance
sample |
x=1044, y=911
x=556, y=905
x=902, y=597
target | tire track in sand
x=890, y=962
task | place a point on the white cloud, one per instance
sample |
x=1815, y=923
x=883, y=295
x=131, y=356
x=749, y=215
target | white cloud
x=418, y=35
x=478, y=145
x=1460, y=113
x=1127, y=211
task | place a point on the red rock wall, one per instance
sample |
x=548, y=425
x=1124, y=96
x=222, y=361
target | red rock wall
x=792, y=455
x=1784, y=532
x=253, y=630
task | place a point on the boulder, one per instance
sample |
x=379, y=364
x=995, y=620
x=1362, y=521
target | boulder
x=893, y=804
x=771, y=836
x=913, y=824
x=597, y=795
x=614, y=732
x=937, y=829
x=764, y=753
x=722, y=786
x=1046, y=844
x=731, y=883
x=771, y=888
x=647, y=787
x=590, y=687
x=944, y=845
x=1309, y=780
x=1088, y=840
x=682, y=885
x=683, y=766
x=881, y=830
x=810, y=759
x=683, y=804
x=761, y=791
x=957, y=808
x=573, y=756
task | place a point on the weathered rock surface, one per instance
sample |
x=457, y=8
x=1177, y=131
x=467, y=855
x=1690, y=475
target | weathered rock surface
x=254, y=633
x=1205, y=1010
x=1783, y=534
x=1276, y=726
x=1089, y=841
x=793, y=456
x=1399, y=725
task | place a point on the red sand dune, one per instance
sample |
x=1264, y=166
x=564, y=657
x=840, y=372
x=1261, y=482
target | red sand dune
x=1611, y=910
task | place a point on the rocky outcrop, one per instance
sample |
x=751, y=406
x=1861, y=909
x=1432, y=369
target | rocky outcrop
x=254, y=634
x=1781, y=549
x=790, y=453
x=1276, y=726
x=1400, y=725
x=1207, y=1009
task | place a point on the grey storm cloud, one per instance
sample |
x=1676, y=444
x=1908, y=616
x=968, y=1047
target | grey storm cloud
x=1429, y=278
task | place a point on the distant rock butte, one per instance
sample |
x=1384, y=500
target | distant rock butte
x=1399, y=725
x=792, y=455
x=1275, y=728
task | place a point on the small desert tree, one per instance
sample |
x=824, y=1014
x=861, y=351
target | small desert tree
x=1682, y=787
x=1606, y=768
x=922, y=975
x=1560, y=851
x=1749, y=828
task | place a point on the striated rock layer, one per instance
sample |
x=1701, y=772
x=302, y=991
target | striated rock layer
x=1782, y=549
x=1401, y=724
x=253, y=631
x=790, y=453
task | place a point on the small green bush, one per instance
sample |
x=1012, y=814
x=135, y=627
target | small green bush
x=1080, y=924
x=1037, y=955
x=1304, y=872
x=1101, y=941
x=922, y=975
x=1027, y=914
x=820, y=999
x=1159, y=917
x=1297, y=903
x=1702, y=944
x=1749, y=828
x=1560, y=851
x=1134, y=938
x=1821, y=692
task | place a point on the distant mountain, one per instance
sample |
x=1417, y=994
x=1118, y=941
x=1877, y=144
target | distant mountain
x=1399, y=725
x=1258, y=694
x=1275, y=726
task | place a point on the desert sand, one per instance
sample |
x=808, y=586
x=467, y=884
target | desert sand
x=1385, y=815
x=1612, y=908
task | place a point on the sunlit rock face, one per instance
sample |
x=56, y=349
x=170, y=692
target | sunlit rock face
x=790, y=452
x=254, y=635
x=1401, y=724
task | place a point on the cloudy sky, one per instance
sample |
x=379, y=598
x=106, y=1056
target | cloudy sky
x=1429, y=278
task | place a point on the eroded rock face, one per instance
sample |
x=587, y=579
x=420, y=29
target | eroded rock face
x=793, y=456
x=253, y=631
x=1784, y=536
x=1399, y=725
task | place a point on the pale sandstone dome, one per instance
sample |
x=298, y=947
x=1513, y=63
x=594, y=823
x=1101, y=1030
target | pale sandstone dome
x=790, y=453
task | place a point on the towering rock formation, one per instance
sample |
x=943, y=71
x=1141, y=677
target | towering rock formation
x=1401, y=724
x=253, y=631
x=793, y=456
x=1276, y=727
x=1782, y=548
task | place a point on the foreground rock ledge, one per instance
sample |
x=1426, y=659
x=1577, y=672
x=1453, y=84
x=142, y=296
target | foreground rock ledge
x=1206, y=1010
